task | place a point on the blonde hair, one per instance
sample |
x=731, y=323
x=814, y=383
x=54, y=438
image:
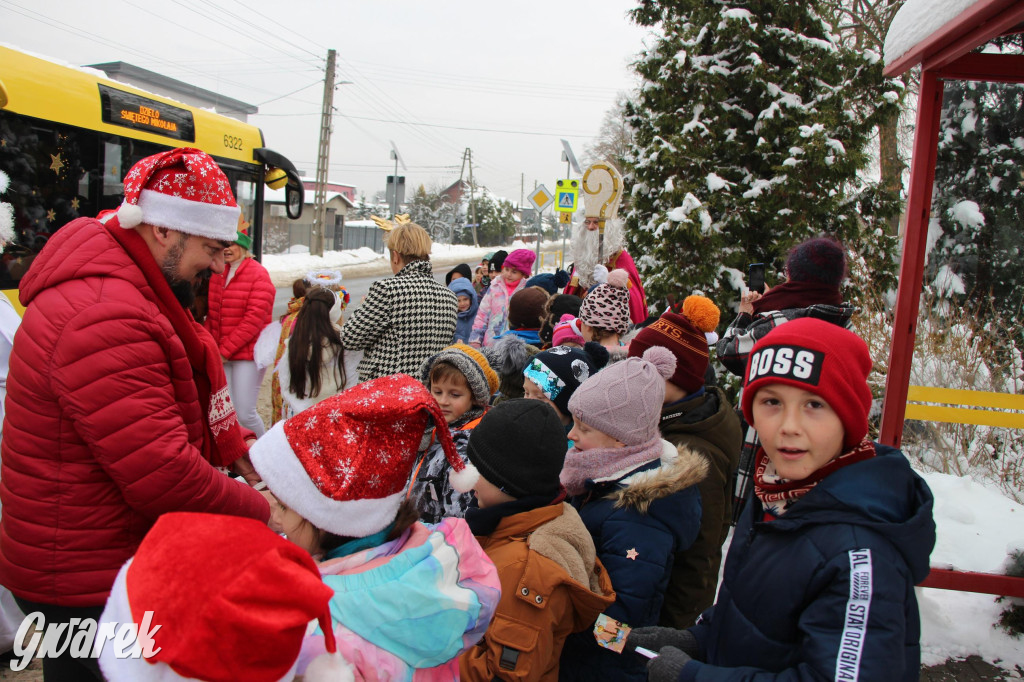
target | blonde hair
x=410, y=241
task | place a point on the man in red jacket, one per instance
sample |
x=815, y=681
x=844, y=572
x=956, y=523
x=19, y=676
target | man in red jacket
x=117, y=407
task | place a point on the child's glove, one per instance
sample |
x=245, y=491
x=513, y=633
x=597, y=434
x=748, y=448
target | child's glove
x=655, y=638
x=668, y=666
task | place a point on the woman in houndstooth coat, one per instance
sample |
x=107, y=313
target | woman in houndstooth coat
x=406, y=318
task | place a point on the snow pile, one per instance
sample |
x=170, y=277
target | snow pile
x=976, y=529
x=916, y=21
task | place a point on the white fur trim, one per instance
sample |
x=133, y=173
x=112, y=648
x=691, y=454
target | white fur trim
x=128, y=215
x=213, y=221
x=276, y=463
x=464, y=480
x=329, y=668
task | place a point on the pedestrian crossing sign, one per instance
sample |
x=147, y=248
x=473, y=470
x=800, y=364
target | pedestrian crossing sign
x=568, y=194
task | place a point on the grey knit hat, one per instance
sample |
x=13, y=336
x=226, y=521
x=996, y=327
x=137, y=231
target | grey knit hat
x=471, y=363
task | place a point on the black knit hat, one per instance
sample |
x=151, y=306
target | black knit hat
x=559, y=371
x=817, y=260
x=462, y=269
x=497, y=260
x=519, y=447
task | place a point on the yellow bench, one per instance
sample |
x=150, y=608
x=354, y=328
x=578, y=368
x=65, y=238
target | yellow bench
x=981, y=408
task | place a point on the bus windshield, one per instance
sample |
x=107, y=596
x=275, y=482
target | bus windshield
x=68, y=136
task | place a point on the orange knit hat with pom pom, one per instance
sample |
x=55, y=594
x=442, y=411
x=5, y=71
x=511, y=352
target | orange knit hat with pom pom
x=685, y=334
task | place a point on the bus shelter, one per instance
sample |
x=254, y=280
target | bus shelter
x=942, y=38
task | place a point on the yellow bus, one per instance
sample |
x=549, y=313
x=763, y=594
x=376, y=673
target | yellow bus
x=69, y=135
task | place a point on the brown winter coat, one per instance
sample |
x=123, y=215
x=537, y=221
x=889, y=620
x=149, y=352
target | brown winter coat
x=709, y=426
x=552, y=584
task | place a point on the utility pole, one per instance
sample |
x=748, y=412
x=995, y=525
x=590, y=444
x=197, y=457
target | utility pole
x=316, y=237
x=472, y=199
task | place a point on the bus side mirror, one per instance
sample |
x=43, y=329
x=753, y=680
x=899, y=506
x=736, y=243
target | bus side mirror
x=293, y=200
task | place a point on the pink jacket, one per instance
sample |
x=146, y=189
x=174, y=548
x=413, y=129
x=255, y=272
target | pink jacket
x=492, y=317
x=240, y=310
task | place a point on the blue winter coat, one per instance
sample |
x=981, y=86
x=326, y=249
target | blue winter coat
x=825, y=592
x=464, y=325
x=638, y=523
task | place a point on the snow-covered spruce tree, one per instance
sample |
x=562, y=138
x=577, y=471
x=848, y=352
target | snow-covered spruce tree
x=751, y=125
x=978, y=203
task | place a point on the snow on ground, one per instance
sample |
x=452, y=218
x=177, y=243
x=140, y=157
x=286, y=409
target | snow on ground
x=288, y=266
x=977, y=527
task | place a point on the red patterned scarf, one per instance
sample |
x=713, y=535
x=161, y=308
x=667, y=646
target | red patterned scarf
x=223, y=443
x=778, y=494
x=797, y=295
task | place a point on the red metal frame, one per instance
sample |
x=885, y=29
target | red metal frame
x=908, y=294
x=946, y=54
x=966, y=581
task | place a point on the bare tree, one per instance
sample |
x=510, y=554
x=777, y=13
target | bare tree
x=614, y=138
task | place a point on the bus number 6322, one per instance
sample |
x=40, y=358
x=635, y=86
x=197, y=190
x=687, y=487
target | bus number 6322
x=232, y=142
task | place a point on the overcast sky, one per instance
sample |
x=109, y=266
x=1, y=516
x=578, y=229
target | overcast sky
x=423, y=74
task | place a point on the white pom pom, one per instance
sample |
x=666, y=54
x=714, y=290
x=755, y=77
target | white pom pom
x=329, y=668
x=618, y=278
x=600, y=274
x=464, y=480
x=4, y=182
x=712, y=337
x=129, y=215
x=662, y=359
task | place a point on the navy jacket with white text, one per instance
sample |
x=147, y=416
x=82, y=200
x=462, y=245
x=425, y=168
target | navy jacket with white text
x=826, y=591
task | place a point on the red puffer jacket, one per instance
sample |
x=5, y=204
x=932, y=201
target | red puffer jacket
x=240, y=310
x=103, y=431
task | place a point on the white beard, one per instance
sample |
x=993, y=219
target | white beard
x=584, y=248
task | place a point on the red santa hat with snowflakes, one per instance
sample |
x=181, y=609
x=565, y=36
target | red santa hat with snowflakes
x=181, y=189
x=218, y=598
x=344, y=464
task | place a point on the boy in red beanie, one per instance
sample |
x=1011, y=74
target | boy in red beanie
x=819, y=580
x=702, y=419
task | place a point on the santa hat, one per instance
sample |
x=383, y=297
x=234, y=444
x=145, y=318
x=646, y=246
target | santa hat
x=180, y=189
x=216, y=597
x=344, y=463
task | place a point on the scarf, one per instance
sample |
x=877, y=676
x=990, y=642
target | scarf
x=223, y=443
x=797, y=295
x=482, y=522
x=778, y=494
x=598, y=464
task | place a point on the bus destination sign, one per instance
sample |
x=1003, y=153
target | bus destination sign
x=141, y=113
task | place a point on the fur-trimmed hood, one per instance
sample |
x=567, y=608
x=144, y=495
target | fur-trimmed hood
x=679, y=469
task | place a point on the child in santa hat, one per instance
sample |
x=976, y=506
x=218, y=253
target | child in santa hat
x=216, y=598
x=637, y=495
x=492, y=316
x=407, y=597
x=819, y=579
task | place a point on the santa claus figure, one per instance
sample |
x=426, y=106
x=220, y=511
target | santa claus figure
x=600, y=240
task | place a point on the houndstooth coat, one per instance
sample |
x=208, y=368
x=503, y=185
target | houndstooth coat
x=404, y=320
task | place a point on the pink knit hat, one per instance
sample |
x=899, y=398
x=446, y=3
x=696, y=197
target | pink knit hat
x=567, y=330
x=521, y=260
x=607, y=305
x=624, y=400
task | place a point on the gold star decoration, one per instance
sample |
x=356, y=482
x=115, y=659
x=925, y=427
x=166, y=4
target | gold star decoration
x=74, y=203
x=51, y=215
x=56, y=164
x=3, y=143
x=632, y=554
